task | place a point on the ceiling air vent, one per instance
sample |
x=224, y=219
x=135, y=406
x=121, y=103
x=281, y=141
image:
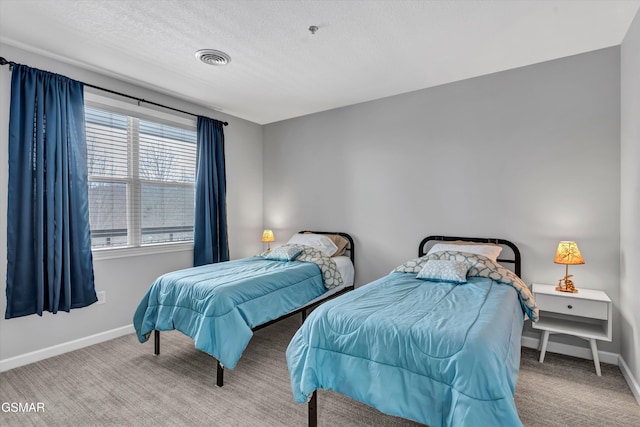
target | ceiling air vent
x=213, y=57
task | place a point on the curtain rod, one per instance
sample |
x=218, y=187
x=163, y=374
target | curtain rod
x=11, y=64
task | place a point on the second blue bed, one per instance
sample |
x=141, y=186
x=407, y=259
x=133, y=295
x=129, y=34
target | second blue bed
x=443, y=354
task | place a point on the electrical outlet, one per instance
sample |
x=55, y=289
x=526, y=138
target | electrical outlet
x=102, y=297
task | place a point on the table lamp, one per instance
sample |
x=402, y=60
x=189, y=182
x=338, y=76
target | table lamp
x=567, y=254
x=267, y=236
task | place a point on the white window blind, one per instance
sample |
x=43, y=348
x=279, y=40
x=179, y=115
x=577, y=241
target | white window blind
x=141, y=180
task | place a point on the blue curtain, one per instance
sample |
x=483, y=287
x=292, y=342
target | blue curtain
x=210, y=242
x=49, y=261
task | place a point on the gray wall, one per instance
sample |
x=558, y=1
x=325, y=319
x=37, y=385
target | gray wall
x=531, y=155
x=125, y=280
x=630, y=199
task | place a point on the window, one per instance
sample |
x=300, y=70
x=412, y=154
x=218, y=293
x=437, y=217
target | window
x=141, y=179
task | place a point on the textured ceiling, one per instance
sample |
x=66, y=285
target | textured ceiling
x=363, y=50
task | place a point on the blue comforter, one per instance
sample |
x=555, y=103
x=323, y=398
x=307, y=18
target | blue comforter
x=217, y=305
x=436, y=353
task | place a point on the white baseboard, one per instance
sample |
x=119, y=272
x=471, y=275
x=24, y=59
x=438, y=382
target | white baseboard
x=571, y=350
x=45, y=353
x=633, y=384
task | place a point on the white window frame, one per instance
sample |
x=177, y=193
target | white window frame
x=130, y=108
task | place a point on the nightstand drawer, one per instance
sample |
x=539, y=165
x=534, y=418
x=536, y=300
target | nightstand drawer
x=572, y=306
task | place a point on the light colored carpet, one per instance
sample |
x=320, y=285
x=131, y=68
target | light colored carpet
x=121, y=383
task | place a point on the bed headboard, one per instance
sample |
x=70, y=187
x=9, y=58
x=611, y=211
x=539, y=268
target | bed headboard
x=350, y=245
x=512, y=256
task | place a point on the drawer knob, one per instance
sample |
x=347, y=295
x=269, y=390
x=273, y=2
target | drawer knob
x=569, y=306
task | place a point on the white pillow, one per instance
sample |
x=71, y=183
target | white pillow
x=318, y=241
x=490, y=251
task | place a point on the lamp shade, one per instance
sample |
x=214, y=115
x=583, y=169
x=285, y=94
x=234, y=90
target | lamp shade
x=267, y=236
x=568, y=253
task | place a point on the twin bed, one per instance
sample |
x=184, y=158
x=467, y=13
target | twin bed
x=436, y=341
x=220, y=305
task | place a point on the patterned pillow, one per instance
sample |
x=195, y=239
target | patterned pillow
x=450, y=271
x=283, y=253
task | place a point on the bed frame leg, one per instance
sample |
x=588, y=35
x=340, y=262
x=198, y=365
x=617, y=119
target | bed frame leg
x=156, y=342
x=219, y=374
x=313, y=410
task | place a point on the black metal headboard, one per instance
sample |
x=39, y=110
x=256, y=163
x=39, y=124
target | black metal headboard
x=350, y=245
x=516, y=260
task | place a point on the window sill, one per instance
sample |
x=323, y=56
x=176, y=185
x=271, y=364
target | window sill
x=126, y=252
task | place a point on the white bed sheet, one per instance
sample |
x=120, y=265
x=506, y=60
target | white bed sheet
x=347, y=271
x=345, y=267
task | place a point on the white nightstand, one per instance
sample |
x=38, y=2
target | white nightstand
x=586, y=314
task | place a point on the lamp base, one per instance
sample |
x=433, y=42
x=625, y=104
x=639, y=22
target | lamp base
x=568, y=285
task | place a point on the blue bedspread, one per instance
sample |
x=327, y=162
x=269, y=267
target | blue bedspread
x=217, y=305
x=436, y=353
